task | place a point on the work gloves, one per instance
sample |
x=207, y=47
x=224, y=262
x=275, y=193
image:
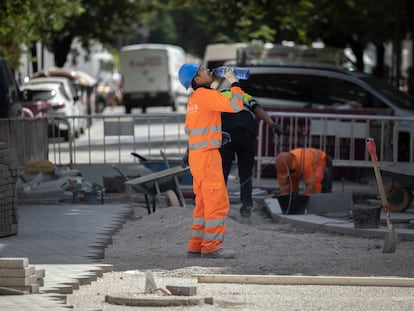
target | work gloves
x=226, y=138
x=277, y=129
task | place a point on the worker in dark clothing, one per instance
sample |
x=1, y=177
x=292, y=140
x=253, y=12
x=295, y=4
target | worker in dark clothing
x=241, y=127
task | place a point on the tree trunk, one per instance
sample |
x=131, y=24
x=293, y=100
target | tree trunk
x=33, y=52
x=358, y=50
x=379, y=70
x=61, y=49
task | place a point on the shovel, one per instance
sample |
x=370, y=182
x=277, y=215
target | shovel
x=391, y=237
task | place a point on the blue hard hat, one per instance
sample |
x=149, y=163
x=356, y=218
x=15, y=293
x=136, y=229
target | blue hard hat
x=187, y=73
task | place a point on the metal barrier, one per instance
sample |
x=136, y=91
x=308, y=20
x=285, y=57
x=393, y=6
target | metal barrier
x=112, y=138
x=341, y=135
x=27, y=136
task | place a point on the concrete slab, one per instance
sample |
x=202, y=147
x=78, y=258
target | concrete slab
x=333, y=202
x=319, y=223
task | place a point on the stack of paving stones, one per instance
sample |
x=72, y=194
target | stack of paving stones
x=8, y=194
x=17, y=277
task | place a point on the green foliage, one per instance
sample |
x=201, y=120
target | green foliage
x=194, y=23
x=27, y=21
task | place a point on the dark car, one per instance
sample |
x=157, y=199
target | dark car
x=328, y=90
x=10, y=105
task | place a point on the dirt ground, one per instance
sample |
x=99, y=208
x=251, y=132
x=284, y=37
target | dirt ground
x=157, y=243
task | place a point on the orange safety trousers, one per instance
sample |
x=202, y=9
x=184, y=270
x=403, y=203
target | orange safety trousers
x=211, y=201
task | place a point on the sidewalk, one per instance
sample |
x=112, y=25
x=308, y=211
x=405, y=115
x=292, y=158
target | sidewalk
x=68, y=242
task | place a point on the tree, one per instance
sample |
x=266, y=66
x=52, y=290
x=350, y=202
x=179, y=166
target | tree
x=24, y=22
x=101, y=20
x=338, y=23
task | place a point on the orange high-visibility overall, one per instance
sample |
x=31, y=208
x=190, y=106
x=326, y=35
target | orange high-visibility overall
x=203, y=127
x=310, y=167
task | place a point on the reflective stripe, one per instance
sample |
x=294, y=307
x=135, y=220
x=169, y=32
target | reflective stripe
x=316, y=154
x=197, y=131
x=198, y=221
x=196, y=233
x=233, y=101
x=214, y=223
x=213, y=237
x=198, y=145
x=203, y=130
x=286, y=187
x=215, y=142
x=310, y=180
x=234, y=97
x=216, y=129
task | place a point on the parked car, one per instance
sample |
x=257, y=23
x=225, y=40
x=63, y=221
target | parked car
x=58, y=92
x=10, y=105
x=330, y=90
x=35, y=108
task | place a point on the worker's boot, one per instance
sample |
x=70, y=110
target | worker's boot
x=245, y=211
x=221, y=253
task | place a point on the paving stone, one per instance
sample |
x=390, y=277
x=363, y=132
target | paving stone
x=14, y=262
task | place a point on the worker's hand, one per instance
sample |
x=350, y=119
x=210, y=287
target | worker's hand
x=226, y=138
x=184, y=160
x=230, y=75
x=277, y=129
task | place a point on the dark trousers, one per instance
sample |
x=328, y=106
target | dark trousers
x=242, y=144
x=327, y=176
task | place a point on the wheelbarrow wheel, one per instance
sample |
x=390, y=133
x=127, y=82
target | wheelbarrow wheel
x=172, y=198
x=399, y=198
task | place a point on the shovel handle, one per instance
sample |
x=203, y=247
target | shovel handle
x=370, y=143
x=372, y=149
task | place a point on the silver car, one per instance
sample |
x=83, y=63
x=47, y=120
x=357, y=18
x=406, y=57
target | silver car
x=64, y=101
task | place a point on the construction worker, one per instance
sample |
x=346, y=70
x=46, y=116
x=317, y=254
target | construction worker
x=203, y=127
x=308, y=165
x=241, y=127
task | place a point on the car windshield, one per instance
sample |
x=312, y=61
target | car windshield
x=35, y=95
x=394, y=95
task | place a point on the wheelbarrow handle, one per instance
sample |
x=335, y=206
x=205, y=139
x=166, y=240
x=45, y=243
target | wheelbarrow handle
x=372, y=149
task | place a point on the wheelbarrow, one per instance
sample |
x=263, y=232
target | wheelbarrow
x=156, y=165
x=399, y=192
x=154, y=184
x=158, y=182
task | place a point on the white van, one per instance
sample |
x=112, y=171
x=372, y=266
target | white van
x=150, y=76
x=217, y=54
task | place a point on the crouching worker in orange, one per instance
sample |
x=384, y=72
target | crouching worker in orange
x=203, y=128
x=308, y=165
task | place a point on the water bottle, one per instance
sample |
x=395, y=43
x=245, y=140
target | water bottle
x=239, y=73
